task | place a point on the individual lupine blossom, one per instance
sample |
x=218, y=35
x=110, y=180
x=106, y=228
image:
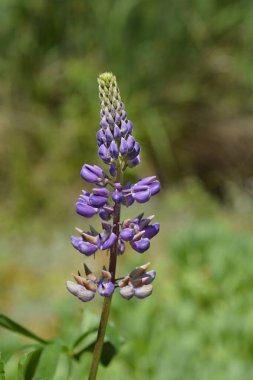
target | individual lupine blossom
x=137, y=283
x=118, y=149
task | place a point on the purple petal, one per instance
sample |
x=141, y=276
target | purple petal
x=123, y=146
x=141, y=245
x=100, y=137
x=109, y=242
x=103, y=123
x=123, y=127
x=134, y=152
x=117, y=196
x=97, y=200
x=142, y=196
x=127, y=234
x=110, y=119
x=75, y=241
x=133, y=163
x=85, y=210
x=112, y=170
x=129, y=200
x=154, y=187
x=147, y=180
x=130, y=126
x=108, y=135
x=117, y=118
x=87, y=248
x=88, y=175
x=118, y=186
x=103, y=153
x=101, y=191
x=114, y=150
x=130, y=143
x=106, y=289
x=151, y=231
x=116, y=133
x=96, y=170
x=104, y=214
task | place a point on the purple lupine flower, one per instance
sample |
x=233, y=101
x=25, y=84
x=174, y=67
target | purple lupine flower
x=118, y=149
x=105, y=285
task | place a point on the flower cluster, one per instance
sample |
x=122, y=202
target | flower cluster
x=135, y=284
x=115, y=140
x=118, y=149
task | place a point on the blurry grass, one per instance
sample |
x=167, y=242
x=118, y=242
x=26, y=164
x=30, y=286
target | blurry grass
x=198, y=323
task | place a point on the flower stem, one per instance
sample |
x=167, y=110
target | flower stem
x=100, y=338
x=107, y=301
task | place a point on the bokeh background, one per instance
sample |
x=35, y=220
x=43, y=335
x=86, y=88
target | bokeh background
x=185, y=74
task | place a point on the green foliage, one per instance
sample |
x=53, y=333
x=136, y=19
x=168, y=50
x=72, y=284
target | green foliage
x=53, y=359
x=7, y=323
x=2, y=372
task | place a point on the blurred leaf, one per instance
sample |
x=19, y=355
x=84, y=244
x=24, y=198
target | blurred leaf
x=87, y=341
x=48, y=361
x=64, y=367
x=28, y=363
x=9, y=324
x=2, y=373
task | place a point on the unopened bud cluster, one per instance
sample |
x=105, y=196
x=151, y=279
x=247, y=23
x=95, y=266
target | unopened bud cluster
x=117, y=148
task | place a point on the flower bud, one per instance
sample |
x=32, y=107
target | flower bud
x=92, y=173
x=114, y=150
x=123, y=146
x=116, y=134
x=103, y=123
x=103, y=153
x=108, y=135
x=117, y=196
x=134, y=162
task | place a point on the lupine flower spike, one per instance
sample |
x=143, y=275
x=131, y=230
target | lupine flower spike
x=119, y=150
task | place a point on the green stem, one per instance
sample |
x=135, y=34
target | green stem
x=107, y=301
x=100, y=338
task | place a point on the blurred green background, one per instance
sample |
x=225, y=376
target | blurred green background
x=185, y=74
